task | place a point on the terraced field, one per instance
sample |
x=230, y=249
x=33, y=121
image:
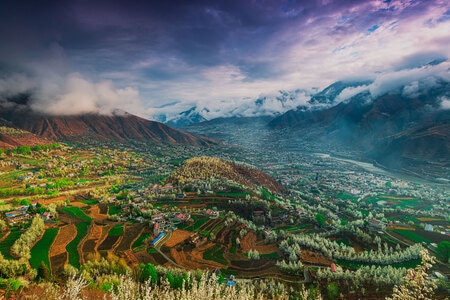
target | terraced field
x=41, y=250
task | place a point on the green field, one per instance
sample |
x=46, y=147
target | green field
x=5, y=246
x=72, y=247
x=233, y=245
x=198, y=223
x=215, y=254
x=113, y=210
x=273, y=255
x=152, y=250
x=117, y=230
x=76, y=212
x=140, y=240
x=393, y=201
x=89, y=202
x=412, y=235
x=41, y=249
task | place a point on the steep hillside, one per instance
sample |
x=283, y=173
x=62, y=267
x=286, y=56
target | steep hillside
x=210, y=167
x=11, y=137
x=94, y=127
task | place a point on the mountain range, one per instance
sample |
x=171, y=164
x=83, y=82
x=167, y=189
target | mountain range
x=403, y=128
x=118, y=127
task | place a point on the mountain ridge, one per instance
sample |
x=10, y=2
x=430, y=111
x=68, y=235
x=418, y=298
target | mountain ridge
x=118, y=127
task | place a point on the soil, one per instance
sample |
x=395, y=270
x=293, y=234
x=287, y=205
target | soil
x=94, y=212
x=130, y=234
x=177, y=237
x=144, y=257
x=249, y=241
x=57, y=262
x=194, y=259
x=314, y=258
x=103, y=209
x=65, y=235
x=108, y=243
x=93, y=237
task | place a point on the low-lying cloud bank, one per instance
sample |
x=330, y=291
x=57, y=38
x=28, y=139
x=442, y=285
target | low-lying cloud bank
x=71, y=94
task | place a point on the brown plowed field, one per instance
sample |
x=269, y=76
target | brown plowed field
x=249, y=241
x=57, y=262
x=144, y=257
x=65, y=234
x=314, y=258
x=90, y=243
x=177, y=237
x=103, y=209
x=131, y=258
x=94, y=212
x=130, y=234
x=194, y=259
x=108, y=243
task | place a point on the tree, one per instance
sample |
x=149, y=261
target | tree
x=416, y=283
x=43, y=273
x=443, y=250
x=320, y=219
x=3, y=225
x=148, y=272
x=332, y=290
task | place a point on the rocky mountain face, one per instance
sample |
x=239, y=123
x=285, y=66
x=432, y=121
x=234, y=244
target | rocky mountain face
x=119, y=126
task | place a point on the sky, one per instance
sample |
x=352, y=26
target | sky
x=162, y=57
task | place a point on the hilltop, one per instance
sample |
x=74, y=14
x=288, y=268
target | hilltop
x=211, y=167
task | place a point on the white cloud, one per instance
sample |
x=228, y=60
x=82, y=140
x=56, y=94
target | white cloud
x=445, y=103
x=349, y=92
x=77, y=95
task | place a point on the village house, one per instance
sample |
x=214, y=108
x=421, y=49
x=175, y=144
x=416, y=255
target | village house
x=376, y=224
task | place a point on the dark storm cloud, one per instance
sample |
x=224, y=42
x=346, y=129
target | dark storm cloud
x=188, y=51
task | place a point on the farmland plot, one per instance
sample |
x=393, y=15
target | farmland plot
x=40, y=251
x=131, y=233
x=58, y=254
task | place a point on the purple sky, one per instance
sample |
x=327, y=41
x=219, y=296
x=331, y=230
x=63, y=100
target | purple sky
x=151, y=57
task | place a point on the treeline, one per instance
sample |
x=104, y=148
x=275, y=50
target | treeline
x=334, y=250
x=22, y=246
x=29, y=149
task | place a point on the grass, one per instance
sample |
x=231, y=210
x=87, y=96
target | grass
x=141, y=240
x=273, y=255
x=217, y=228
x=152, y=250
x=76, y=212
x=298, y=227
x=233, y=245
x=198, y=223
x=215, y=254
x=113, y=210
x=117, y=230
x=412, y=235
x=267, y=195
x=5, y=246
x=41, y=249
x=90, y=202
x=72, y=247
